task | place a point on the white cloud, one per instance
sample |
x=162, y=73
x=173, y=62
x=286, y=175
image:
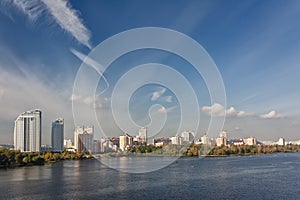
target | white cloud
x=218, y=110
x=157, y=94
x=214, y=110
x=166, y=110
x=59, y=11
x=68, y=20
x=33, y=8
x=271, y=115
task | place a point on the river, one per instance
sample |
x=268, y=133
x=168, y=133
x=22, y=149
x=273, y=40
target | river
x=273, y=176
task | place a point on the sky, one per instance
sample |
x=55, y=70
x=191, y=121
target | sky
x=50, y=55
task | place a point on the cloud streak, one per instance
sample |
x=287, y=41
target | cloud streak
x=68, y=19
x=58, y=11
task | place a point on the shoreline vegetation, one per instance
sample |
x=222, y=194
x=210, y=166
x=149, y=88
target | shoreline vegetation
x=198, y=150
x=14, y=158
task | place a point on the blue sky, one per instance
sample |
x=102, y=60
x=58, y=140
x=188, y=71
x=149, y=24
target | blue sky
x=255, y=45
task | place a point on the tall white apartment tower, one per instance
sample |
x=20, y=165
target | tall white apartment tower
x=57, y=135
x=28, y=131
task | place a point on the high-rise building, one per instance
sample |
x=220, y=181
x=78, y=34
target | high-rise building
x=28, y=131
x=222, y=140
x=84, y=138
x=57, y=135
x=125, y=141
x=188, y=136
x=143, y=134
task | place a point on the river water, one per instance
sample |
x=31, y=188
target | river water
x=275, y=176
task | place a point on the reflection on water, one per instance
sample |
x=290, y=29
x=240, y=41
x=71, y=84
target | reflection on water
x=30, y=173
x=137, y=164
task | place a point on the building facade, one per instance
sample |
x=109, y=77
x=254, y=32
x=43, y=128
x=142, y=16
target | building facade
x=281, y=141
x=84, y=138
x=125, y=141
x=28, y=131
x=222, y=140
x=188, y=136
x=205, y=140
x=250, y=141
x=57, y=135
x=143, y=134
x=177, y=140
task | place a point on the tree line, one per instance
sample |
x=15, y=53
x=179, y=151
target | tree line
x=203, y=150
x=14, y=158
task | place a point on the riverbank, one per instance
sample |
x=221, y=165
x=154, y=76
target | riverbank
x=13, y=158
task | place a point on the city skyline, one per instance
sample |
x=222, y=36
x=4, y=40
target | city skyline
x=254, y=45
x=28, y=134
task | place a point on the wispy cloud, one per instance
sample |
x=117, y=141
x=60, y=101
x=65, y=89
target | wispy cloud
x=33, y=9
x=157, y=94
x=69, y=20
x=58, y=11
x=93, y=64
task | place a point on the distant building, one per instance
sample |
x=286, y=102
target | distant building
x=125, y=141
x=236, y=142
x=281, y=141
x=188, y=136
x=162, y=141
x=115, y=141
x=68, y=143
x=84, y=138
x=205, y=140
x=223, y=134
x=104, y=145
x=177, y=140
x=250, y=141
x=28, y=131
x=222, y=140
x=143, y=134
x=7, y=146
x=45, y=148
x=57, y=135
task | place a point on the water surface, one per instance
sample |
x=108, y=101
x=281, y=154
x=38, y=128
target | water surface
x=275, y=176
